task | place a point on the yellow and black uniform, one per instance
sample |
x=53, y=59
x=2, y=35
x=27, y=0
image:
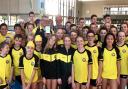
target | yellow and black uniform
x=28, y=66
x=110, y=58
x=8, y=37
x=95, y=51
x=16, y=54
x=5, y=69
x=65, y=65
x=81, y=60
x=48, y=64
x=124, y=60
x=60, y=43
x=38, y=53
x=74, y=46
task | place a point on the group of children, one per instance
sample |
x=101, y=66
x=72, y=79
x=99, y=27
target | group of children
x=88, y=60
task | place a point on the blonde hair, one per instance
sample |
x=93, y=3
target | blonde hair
x=48, y=45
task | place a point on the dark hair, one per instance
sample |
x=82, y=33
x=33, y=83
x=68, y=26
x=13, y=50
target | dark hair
x=81, y=19
x=105, y=16
x=103, y=28
x=119, y=32
x=105, y=44
x=93, y=16
x=90, y=31
x=31, y=13
x=17, y=25
x=2, y=45
x=70, y=17
x=112, y=26
x=68, y=22
x=30, y=24
x=3, y=24
x=72, y=25
x=18, y=36
x=86, y=27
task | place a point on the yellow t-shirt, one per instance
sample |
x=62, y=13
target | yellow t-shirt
x=16, y=54
x=8, y=37
x=95, y=51
x=110, y=58
x=124, y=59
x=28, y=66
x=5, y=68
x=81, y=60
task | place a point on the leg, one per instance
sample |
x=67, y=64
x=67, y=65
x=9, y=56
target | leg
x=48, y=83
x=54, y=84
x=34, y=86
x=104, y=84
x=123, y=83
x=83, y=86
x=113, y=84
x=77, y=85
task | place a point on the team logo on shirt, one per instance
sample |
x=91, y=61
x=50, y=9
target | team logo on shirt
x=84, y=60
x=32, y=63
x=124, y=51
x=113, y=54
x=94, y=51
x=7, y=61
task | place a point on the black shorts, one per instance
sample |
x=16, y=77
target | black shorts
x=124, y=76
x=18, y=78
x=93, y=82
x=84, y=83
x=3, y=86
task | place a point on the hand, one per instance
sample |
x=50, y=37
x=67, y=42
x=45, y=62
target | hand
x=28, y=86
x=98, y=81
x=44, y=80
x=59, y=81
x=70, y=80
x=1, y=81
x=73, y=85
x=87, y=85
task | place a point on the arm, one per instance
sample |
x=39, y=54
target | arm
x=22, y=77
x=89, y=72
x=118, y=71
x=11, y=76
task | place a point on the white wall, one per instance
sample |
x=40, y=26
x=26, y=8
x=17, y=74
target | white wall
x=96, y=7
x=18, y=6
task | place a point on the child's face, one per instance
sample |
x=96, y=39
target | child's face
x=103, y=33
x=18, y=41
x=5, y=49
x=124, y=28
x=109, y=40
x=91, y=37
x=121, y=36
x=59, y=34
x=114, y=31
x=30, y=28
x=52, y=40
x=30, y=38
x=67, y=41
x=80, y=42
x=18, y=30
x=38, y=43
x=3, y=30
x=29, y=50
x=73, y=35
